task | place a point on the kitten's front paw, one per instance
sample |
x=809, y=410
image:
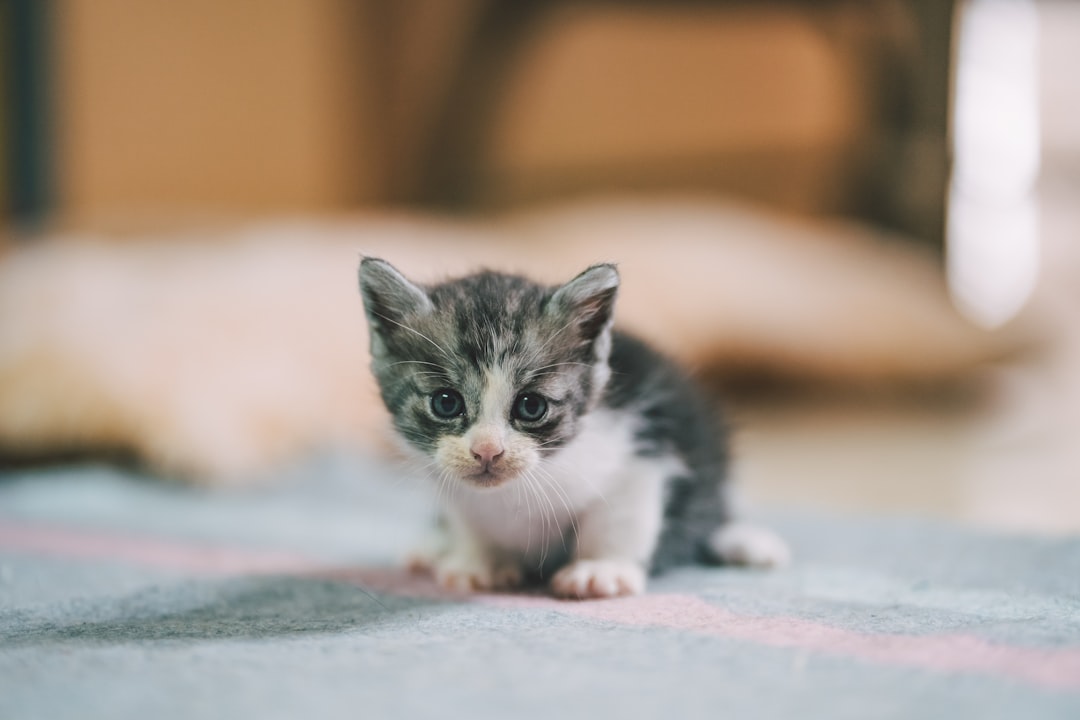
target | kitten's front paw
x=461, y=572
x=599, y=579
x=419, y=562
x=425, y=557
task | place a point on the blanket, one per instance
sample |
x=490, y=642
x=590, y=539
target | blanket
x=122, y=596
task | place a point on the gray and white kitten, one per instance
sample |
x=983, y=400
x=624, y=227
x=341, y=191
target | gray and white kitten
x=561, y=445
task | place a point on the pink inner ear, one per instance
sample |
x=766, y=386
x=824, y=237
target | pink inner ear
x=588, y=303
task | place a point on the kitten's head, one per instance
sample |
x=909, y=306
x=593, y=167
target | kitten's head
x=490, y=373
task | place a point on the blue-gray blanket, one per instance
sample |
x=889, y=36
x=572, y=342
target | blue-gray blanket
x=127, y=597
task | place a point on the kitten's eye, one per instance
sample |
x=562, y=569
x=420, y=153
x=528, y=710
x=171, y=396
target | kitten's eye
x=447, y=404
x=529, y=407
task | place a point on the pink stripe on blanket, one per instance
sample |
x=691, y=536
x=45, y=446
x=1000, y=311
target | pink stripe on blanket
x=1054, y=668
x=160, y=554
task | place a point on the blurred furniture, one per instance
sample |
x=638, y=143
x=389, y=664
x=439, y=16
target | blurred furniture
x=165, y=111
x=819, y=107
x=24, y=159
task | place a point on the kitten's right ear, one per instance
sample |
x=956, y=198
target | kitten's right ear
x=389, y=297
x=589, y=299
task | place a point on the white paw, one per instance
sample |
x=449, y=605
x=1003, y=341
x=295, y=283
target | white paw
x=599, y=579
x=420, y=562
x=749, y=545
x=506, y=576
x=424, y=558
x=466, y=572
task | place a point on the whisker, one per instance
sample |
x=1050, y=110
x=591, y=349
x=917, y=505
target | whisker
x=563, y=467
x=528, y=523
x=418, y=362
x=533, y=485
x=447, y=355
x=425, y=469
x=561, y=364
x=542, y=483
x=554, y=337
x=563, y=497
x=441, y=487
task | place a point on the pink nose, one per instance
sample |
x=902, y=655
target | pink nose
x=487, y=452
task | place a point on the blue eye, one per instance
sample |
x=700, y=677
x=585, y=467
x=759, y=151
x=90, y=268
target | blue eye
x=529, y=407
x=447, y=404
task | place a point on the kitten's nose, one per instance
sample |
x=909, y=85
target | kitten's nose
x=487, y=452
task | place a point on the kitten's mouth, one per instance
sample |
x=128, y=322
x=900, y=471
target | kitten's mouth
x=487, y=478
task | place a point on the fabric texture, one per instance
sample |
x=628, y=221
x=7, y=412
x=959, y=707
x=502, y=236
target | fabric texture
x=128, y=597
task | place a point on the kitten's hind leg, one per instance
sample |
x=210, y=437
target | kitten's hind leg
x=749, y=545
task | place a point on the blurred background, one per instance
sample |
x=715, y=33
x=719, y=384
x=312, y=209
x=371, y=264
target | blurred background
x=123, y=112
x=881, y=196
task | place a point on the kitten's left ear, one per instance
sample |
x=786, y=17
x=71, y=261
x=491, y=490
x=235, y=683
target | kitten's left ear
x=389, y=297
x=589, y=299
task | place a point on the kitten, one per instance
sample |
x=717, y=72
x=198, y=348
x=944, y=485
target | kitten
x=561, y=445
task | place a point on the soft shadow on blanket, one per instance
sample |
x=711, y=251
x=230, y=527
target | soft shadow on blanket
x=242, y=608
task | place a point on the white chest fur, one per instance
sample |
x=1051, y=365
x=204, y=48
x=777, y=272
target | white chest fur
x=531, y=514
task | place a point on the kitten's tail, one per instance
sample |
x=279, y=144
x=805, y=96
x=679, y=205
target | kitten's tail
x=749, y=545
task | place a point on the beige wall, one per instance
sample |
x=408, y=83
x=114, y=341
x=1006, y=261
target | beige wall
x=757, y=100
x=208, y=107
